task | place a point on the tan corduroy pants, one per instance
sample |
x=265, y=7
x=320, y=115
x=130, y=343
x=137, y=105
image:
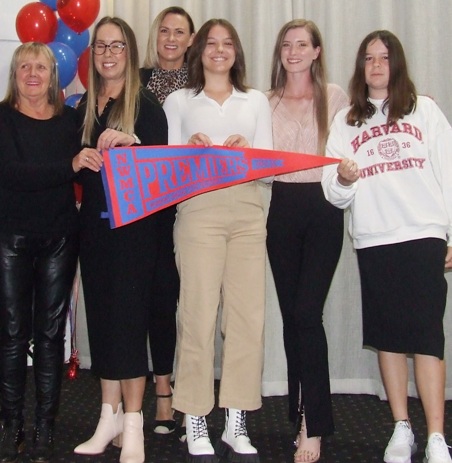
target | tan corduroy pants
x=220, y=253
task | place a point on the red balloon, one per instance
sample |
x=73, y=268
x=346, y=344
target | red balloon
x=36, y=22
x=83, y=66
x=78, y=14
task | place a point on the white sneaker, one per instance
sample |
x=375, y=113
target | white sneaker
x=437, y=451
x=401, y=445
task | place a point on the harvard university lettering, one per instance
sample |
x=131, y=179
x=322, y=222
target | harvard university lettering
x=383, y=167
x=384, y=130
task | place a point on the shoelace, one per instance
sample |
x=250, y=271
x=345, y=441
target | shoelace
x=438, y=445
x=7, y=432
x=38, y=435
x=199, y=427
x=402, y=432
x=240, y=425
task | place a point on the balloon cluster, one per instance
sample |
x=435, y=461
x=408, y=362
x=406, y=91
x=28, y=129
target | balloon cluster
x=63, y=26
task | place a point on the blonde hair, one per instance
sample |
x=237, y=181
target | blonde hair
x=151, y=60
x=53, y=93
x=126, y=107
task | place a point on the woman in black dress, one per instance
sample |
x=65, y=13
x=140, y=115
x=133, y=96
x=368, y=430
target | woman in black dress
x=118, y=266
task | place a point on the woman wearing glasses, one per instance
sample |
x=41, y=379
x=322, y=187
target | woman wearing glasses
x=118, y=266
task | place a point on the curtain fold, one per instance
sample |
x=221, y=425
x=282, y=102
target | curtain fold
x=424, y=28
x=425, y=31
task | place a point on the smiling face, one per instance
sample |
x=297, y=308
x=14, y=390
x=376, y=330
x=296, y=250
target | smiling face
x=297, y=51
x=219, y=53
x=33, y=77
x=173, y=39
x=110, y=66
x=377, y=69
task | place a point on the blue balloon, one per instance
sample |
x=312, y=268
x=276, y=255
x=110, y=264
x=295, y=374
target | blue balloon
x=66, y=62
x=51, y=3
x=72, y=100
x=77, y=41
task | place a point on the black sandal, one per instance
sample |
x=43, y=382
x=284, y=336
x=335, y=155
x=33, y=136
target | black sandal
x=164, y=426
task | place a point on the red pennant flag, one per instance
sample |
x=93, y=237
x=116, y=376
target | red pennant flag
x=141, y=180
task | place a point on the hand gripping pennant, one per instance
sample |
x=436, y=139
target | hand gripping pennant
x=141, y=180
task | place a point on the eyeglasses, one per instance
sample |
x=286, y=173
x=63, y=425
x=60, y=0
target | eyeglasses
x=116, y=48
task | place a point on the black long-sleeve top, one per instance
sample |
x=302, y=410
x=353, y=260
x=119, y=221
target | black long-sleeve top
x=151, y=128
x=36, y=175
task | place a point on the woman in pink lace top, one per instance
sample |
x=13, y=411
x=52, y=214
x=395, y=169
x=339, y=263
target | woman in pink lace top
x=304, y=232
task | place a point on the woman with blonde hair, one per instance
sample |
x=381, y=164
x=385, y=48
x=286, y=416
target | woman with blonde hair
x=165, y=65
x=39, y=240
x=118, y=266
x=164, y=71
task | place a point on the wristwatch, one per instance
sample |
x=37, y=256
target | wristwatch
x=137, y=140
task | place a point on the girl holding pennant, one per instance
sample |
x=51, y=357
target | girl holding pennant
x=220, y=248
x=395, y=175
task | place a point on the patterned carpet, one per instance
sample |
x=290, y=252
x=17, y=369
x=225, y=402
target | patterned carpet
x=363, y=427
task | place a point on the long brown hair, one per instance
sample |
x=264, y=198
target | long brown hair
x=126, y=107
x=401, y=98
x=53, y=94
x=237, y=74
x=317, y=71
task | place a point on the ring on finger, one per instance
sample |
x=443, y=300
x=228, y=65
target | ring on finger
x=87, y=159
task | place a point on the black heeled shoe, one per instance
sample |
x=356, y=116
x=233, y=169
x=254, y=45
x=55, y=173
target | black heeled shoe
x=164, y=426
x=182, y=433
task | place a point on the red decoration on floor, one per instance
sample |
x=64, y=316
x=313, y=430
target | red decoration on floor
x=74, y=363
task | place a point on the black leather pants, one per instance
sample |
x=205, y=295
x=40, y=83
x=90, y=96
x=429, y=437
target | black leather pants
x=36, y=277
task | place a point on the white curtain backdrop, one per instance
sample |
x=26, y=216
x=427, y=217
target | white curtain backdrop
x=425, y=29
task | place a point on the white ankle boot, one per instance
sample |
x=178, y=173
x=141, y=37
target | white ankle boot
x=133, y=439
x=235, y=438
x=199, y=446
x=109, y=429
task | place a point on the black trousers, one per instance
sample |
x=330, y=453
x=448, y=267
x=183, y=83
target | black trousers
x=304, y=242
x=36, y=277
x=165, y=293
